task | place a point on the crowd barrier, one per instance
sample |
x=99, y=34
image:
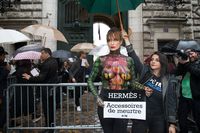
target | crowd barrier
x=28, y=103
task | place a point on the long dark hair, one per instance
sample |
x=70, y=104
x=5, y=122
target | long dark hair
x=163, y=62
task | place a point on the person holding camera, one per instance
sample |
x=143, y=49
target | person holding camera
x=189, y=69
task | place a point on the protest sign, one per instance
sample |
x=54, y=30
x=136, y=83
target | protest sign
x=126, y=104
x=125, y=110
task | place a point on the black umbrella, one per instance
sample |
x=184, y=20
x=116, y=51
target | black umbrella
x=180, y=45
x=62, y=54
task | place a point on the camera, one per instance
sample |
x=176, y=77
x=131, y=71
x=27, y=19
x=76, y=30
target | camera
x=182, y=54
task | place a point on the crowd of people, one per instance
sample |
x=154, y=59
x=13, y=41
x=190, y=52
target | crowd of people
x=169, y=100
x=49, y=72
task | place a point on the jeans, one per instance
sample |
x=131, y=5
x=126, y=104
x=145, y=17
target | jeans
x=185, y=107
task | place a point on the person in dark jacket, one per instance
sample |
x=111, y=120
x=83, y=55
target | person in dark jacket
x=22, y=66
x=77, y=73
x=160, y=93
x=65, y=72
x=65, y=76
x=48, y=75
x=4, y=71
x=190, y=89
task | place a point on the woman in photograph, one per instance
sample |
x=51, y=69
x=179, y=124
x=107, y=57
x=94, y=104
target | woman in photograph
x=160, y=93
x=116, y=72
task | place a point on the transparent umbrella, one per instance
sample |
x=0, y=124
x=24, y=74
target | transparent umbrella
x=30, y=47
x=31, y=55
x=85, y=47
x=9, y=36
x=62, y=54
x=45, y=32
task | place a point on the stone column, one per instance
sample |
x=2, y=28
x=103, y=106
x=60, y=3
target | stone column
x=49, y=10
x=136, y=25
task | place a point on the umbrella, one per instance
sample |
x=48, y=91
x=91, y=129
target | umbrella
x=31, y=47
x=63, y=54
x=12, y=36
x=104, y=50
x=45, y=32
x=110, y=7
x=178, y=45
x=85, y=47
x=31, y=55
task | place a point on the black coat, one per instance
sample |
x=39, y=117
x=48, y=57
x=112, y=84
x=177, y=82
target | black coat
x=194, y=69
x=23, y=95
x=48, y=72
x=65, y=76
x=77, y=71
x=3, y=78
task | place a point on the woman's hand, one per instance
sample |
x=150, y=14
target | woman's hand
x=100, y=101
x=8, y=67
x=172, y=128
x=148, y=91
x=26, y=76
x=125, y=37
x=73, y=80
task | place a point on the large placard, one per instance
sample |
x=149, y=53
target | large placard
x=125, y=110
x=126, y=104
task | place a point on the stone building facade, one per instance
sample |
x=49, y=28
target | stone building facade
x=153, y=24
x=159, y=24
x=27, y=12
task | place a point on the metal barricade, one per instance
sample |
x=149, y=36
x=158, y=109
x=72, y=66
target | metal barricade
x=11, y=80
x=51, y=107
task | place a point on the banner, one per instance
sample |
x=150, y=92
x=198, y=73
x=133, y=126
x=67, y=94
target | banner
x=125, y=110
x=126, y=104
x=123, y=95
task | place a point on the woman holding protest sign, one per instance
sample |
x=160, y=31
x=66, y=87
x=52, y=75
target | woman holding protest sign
x=160, y=93
x=117, y=76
